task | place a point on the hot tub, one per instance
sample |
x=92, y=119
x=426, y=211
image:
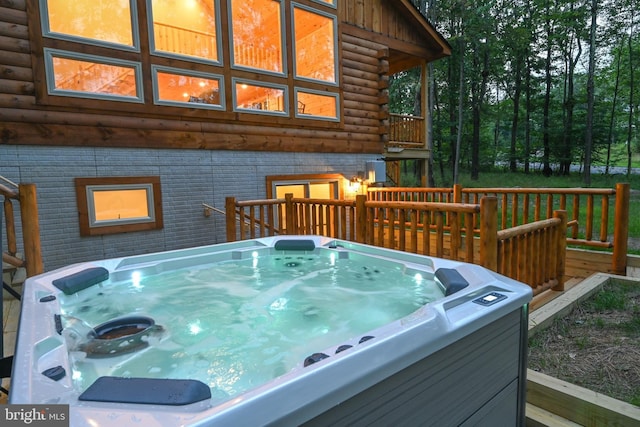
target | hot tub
x=275, y=331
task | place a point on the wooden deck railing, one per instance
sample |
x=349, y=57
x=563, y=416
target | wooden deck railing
x=26, y=196
x=603, y=224
x=429, y=228
x=406, y=131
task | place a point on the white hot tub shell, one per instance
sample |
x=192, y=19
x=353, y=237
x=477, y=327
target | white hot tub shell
x=460, y=360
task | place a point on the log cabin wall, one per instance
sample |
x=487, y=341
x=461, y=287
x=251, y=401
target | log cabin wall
x=27, y=120
x=200, y=157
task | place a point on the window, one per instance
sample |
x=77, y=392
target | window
x=315, y=186
x=104, y=22
x=315, y=47
x=263, y=98
x=92, y=49
x=118, y=205
x=316, y=104
x=257, y=34
x=177, y=87
x=185, y=28
x=101, y=77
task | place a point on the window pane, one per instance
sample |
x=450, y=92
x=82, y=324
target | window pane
x=259, y=98
x=323, y=190
x=186, y=30
x=120, y=204
x=257, y=34
x=314, y=46
x=298, y=190
x=92, y=77
x=174, y=87
x=104, y=20
x=313, y=104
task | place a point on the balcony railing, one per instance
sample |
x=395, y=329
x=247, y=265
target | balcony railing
x=406, y=131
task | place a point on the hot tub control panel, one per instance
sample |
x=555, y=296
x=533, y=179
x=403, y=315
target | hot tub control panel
x=490, y=299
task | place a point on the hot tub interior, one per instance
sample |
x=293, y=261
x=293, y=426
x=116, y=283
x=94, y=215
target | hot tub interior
x=242, y=317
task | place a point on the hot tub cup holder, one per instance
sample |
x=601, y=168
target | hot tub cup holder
x=112, y=338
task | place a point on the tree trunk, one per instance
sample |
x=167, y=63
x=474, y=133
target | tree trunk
x=613, y=110
x=588, y=143
x=546, y=168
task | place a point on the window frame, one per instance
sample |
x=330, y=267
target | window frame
x=272, y=181
x=45, y=25
x=285, y=97
x=50, y=53
x=333, y=95
x=283, y=43
x=89, y=226
x=180, y=71
x=188, y=58
x=334, y=18
x=146, y=59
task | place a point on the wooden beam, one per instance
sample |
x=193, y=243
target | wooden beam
x=578, y=404
x=542, y=317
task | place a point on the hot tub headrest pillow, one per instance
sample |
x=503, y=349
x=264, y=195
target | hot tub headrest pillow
x=150, y=391
x=451, y=279
x=81, y=280
x=295, y=245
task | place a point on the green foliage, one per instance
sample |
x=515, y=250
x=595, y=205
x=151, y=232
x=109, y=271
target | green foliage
x=523, y=66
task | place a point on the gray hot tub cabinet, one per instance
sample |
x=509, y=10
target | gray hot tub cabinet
x=480, y=380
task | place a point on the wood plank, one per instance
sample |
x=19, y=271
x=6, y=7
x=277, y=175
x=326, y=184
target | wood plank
x=362, y=42
x=349, y=88
x=356, y=82
x=538, y=417
x=15, y=58
x=16, y=87
x=362, y=50
x=542, y=317
x=14, y=15
x=356, y=65
x=583, y=263
x=578, y=404
x=14, y=4
x=353, y=56
x=16, y=73
x=360, y=74
x=70, y=135
x=12, y=44
x=16, y=31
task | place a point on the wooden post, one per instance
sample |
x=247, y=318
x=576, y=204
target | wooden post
x=361, y=218
x=621, y=229
x=457, y=193
x=489, y=232
x=230, y=214
x=561, y=244
x=10, y=223
x=290, y=214
x=30, y=229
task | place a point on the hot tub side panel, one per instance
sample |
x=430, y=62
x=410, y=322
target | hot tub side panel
x=478, y=380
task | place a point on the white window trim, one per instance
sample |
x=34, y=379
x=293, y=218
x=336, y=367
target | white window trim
x=181, y=71
x=334, y=18
x=333, y=95
x=93, y=222
x=285, y=97
x=50, y=75
x=162, y=53
x=283, y=44
x=135, y=38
